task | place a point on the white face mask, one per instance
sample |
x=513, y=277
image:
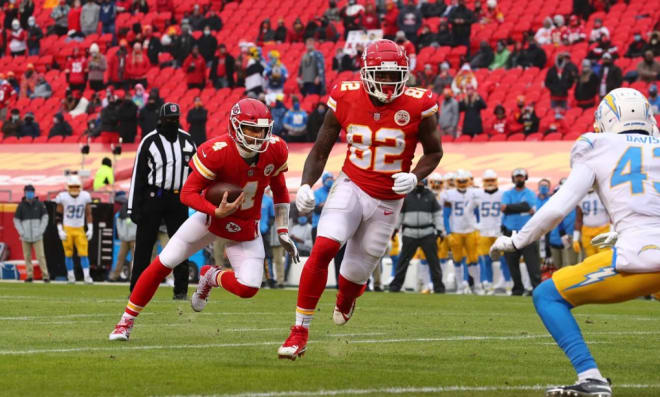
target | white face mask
x=207, y=32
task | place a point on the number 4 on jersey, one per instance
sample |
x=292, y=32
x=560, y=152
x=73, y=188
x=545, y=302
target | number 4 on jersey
x=629, y=169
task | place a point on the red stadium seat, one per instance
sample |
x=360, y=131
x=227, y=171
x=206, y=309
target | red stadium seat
x=10, y=139
x=463, y=138
x=534, y=137
x=498, y=138
x=516, y=137
x=447, y=139
x=481, y=138
x=554, y=136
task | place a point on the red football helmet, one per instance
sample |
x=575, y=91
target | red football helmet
x=380, y=61
x=253, y=113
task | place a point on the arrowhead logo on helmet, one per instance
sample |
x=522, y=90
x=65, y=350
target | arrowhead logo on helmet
x=384, y=71
x=253, y=116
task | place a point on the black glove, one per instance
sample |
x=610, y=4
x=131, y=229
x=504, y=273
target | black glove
x=439, y=233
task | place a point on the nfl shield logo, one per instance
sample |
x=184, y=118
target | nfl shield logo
x=376, y=116
x=250, y=172
x=173, y=108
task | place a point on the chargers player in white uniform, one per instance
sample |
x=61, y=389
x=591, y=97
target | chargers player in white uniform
x=488, y=201
x=591, y=219
x=72, y=209
x=461, y=229
x=622, y=164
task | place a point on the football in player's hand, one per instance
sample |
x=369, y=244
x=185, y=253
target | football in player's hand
x=215, y=192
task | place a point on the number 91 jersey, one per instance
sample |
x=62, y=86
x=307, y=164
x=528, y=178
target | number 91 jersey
x=218, y=160
x=381, y=139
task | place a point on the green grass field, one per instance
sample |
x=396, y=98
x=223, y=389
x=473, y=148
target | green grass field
x=53, y=342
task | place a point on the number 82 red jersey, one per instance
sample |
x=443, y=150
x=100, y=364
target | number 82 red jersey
x=381, y=139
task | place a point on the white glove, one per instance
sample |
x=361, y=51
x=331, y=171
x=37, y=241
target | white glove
x=502, y=244
x=565, y=241
x=404, y=182
x=305, y=201
x=605, y=240
x=90, y=231
x=60, y=231
x=289, y=246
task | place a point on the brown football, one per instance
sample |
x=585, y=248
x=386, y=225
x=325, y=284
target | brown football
x=215, y=192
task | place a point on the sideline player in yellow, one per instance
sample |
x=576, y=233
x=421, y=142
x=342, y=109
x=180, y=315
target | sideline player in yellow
x=72, y=209
x=591, y=219
x=622, y=164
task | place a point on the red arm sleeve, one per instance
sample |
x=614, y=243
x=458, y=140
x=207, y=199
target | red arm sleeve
x=280, y=191
x=191, y=194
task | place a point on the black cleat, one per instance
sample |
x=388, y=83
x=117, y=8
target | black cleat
x=586, y=388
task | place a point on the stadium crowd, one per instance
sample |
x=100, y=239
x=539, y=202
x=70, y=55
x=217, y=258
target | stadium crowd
x=110, y=64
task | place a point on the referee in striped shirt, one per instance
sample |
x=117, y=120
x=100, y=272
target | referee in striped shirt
x=160, y=170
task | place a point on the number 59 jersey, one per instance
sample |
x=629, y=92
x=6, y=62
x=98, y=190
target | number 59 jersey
x=381, y=139
x=73, y=208
x=218, y=160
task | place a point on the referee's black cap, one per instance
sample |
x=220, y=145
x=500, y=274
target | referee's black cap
x=170, y=109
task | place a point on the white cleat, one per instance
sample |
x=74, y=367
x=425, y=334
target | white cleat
x=201, y=296
x=89, y=281
x=71, y=279
x=341, y=318
x=122, y=330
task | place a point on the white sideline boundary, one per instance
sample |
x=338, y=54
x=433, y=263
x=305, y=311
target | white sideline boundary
x=403, y=390
x=125, y=348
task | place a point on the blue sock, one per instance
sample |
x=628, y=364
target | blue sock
x=488, y=265
x=505, y=269
x=555, y=312
x=84, y=262
x=68, y=261
x=395, y=259
x=466, y=274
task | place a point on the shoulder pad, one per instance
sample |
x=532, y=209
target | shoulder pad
x=581, y=148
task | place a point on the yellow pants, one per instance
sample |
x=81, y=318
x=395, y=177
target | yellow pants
x=464, y=245
x=596, y=281
x=443, y=249
x=484, y=244
x=587, y=234
x=74, y=236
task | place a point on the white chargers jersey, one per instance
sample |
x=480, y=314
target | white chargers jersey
x=627, y=180
x=490, y=215
x=462, y=219
x=73, y=207
x=594, y=213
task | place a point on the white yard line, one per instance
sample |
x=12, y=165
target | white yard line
x=405, y=390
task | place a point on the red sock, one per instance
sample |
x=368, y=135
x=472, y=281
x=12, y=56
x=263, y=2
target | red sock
x=348, y=293
x=229, y=282
x=146, y=287
x=314, y=275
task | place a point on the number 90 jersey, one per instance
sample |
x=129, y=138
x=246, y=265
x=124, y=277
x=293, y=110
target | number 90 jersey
x=73, y=208
x=381, y=139
x=218, y=160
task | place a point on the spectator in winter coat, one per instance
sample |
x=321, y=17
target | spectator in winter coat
x=425, y=77
x=636, y=48
x=60, y=127
x=351, y=16
x=60, y=14
x=326, y=31
x=197, y=117
x=332, y=12
x=183, y=45
x=42, y=89
x=266, y=33
x=207, y=44
x=152, y=44
x=137, y=66
x=96, y=66
x=76, y=71
x=148, y=116
x=196, y=19
x=34, y=36
x=213, y=21
x=17, y=38
x=140, y=97
x=448, y=115
x=492, y=13
x=371, y=19
x=444, y=36
x=25, y=10
x=409, y=21
x=117, y=66
x=559, y=32
x=530, y=120
x=427, y=38
x=12, y=126
x=254, y=80
x=499, y=125
x=574, y=31
x=648, y=69
x=89, y=18
x=29, y=127
x=603, y=46
x=598, y=31
x=110, y=118
x=73, y=19
x=483, y=58
x=559, y=79
x=534, y=55
x=30, y=221
x=408, y=47
x=461, y=19
x=107, y=16
x=127, y=113
x=586, y=86
x=443, y=80
x=28, y=82
x=281, y=32
x=654, y=44
x=195, y=68
x=501, y=56
x=311, y=72
x=390, y=26
x=315, y=120
x=610, y=77
x=544, y=35
x=295, y=122
x=222, y=69
x=297, y=31
x=472, y=104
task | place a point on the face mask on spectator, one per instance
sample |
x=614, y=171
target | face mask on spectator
x=29, y=194
x=328, y=182
x=637, y=37
x=15, y=117
x=302, y=220
x=207, y=32
x=544, y=190
x=296, y=106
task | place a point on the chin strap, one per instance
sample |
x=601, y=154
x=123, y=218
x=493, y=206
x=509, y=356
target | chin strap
x=282, y=218
x=246, y=154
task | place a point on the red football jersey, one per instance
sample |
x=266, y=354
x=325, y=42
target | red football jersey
x=381, y=139
x=6, y=92
x=218, y=160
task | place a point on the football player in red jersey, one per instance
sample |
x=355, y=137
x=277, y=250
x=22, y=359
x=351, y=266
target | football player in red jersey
x=249, y=157
x=383, y=120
